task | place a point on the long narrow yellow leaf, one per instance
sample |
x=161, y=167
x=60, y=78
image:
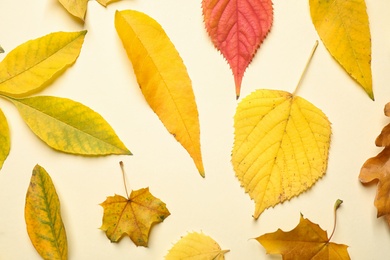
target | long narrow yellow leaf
x=196, y=246
x=69, y=126
x=281, y=145
x=43, y=217
x=162, y=77
x=344, y=29
x=77, y=8
x=5, y=140
x=29, y=66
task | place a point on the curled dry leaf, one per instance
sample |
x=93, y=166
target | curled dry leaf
x=344, y=29
x=43, y=217
x=377, y=169
x=237, y=28
x=196, y=246
x=69, y=126
x=133, y=217
x=162, y=77
x=29, y=66
x=281, y=145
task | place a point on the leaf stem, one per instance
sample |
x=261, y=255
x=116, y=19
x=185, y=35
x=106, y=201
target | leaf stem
x=306, y=67
x=336, y=206
x=124, y=178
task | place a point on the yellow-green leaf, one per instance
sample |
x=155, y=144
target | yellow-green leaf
x=77, y=8
x=106, y=2
x=43, y=217
x=69, y=126
x=5, y=139
x=162, y=77
x=196, y=246
x=344, y=29
x=29, y=66
x=133, y=217
x=281, y=145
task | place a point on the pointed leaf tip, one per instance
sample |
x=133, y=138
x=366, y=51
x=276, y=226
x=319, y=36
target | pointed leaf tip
x=163, y=78
x=237, y=29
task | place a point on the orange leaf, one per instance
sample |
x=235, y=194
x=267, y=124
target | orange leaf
x=133, y=217
x=237, y=28
x=306, y=241
x=377, y=169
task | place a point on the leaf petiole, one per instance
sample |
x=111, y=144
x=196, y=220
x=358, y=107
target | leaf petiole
x=336, y=206
x=306, y=67
x=124, y=178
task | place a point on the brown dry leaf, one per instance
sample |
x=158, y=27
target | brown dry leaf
x=306, y=241
x=377, y=169
x=133, y=216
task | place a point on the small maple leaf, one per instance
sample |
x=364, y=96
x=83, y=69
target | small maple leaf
x=132, y=216
x=306, y=241
x=377, y=169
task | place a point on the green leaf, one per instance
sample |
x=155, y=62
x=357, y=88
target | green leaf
x=69, y=126
x=43, y=217
x=29, y=66
x=5, y=139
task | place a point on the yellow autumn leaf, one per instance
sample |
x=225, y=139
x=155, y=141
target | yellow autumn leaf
x=77, y=8
x=29, y=66
x=106, y=2
x=5, y=139
x=162, y=77
x=43, y=217
x=69, y=126
x=281, y=145
x=196, y=246
x=343, y=27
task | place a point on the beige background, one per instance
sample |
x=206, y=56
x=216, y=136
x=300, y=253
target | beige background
x=102, y=78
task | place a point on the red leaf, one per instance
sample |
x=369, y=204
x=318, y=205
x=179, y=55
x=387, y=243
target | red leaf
x=237, y=28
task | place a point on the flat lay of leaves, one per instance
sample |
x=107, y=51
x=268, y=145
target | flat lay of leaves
x=196, y=246
x=151, y=67
x=43, y=217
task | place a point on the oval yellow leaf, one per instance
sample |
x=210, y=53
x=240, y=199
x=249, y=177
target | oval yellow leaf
x=43, y=217
x=5, y=139
x=162, y=77
x=29, y=66
x=281, y=145
x=69, y=126
x=344, y=29
x=196, y=246
x=77, y=8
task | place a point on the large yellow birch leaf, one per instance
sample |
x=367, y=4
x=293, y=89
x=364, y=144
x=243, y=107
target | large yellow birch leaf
x=343, y=27
x=162, y=77
x=5, y=139
x=281, y=145
x=196, y=246
x=77, y=8
x=69, y=126
x=42, y=214
x=29, y=66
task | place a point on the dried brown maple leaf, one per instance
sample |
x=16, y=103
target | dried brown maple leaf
x=132, y=216
x=377, y=169
x=306, y=241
